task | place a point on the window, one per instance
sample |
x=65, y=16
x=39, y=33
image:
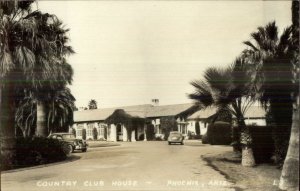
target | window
x=89, y=131
x=79, y=129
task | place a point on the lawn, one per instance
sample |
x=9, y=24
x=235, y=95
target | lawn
x=261, y=177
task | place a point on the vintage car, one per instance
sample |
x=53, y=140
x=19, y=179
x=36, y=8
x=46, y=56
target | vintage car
x=175, y=137
x=70, y=142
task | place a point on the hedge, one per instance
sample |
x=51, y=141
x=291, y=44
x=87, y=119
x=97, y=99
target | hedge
x=263, y=144
x=36, y=150
x=219, y=133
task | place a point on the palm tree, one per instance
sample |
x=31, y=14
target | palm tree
x=34, y=50
x=33, y=47
x=289, y=179
x=228, y=89
x=92, y=104
x=10, y=11
x=270, y=57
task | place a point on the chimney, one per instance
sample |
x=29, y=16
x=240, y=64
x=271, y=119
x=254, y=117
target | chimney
x=155, y=102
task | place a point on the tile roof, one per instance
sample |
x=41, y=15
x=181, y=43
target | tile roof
x=252, y=112
x=168, y=110
x=142, y=111
x=148, y=110
x=102, y=114
x=203, y=113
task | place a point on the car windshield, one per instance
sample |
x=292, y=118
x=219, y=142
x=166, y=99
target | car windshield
x=68, y=136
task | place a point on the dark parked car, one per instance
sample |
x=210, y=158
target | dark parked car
x=175, y=137
x=70, y=142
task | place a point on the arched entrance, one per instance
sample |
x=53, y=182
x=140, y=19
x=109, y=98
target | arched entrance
x=119, y=132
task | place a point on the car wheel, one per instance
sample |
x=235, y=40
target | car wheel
x=84, y=150
x=181, y=143
x=68, y=149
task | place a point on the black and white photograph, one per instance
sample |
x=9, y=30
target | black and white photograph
x=149, y=95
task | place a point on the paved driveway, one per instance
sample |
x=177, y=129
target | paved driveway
x=131, y=166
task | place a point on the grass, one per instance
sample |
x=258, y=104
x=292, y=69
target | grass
x=263, y=177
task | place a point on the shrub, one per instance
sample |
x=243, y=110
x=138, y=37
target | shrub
x=95, y=133
x=205, y=139
x=197, y=128
x=219, y=133
x=37, y=150
x=84, y=134
x=197, y=137
x=263, y=144
x=150, y=134
x=192, y=135
x=73, y=131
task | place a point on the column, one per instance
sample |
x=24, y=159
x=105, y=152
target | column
x=74, y=126
x=124, y=133
x=97, y=128
x=145, y=132
x=133, y=136
x=113, y=133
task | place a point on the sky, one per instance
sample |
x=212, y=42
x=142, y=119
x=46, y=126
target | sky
x=129, y=52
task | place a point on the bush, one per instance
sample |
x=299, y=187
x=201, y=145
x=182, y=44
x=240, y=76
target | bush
x=95, y=133
x=192, y=135
x=219, y=133
x=84, y=134
x=205, y=139
x=263, y=144
x=37, y=150
x=150, y=134
x=197, y=128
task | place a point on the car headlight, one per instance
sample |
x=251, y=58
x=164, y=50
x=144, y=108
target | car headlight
x=75, y=143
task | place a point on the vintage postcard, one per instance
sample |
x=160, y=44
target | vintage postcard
x=149, y=95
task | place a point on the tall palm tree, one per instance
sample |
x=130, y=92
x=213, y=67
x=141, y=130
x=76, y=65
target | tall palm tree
x=270, y=57
x=10, y=12
x=92, y=104
x=289, y=179
x=228, y=89
x=33, y=48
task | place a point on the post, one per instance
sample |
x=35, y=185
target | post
x=113, y=133
x=133, y=136
x=145, y=132
x=125, y=138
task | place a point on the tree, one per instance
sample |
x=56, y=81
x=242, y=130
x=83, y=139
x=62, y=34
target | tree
x=197, y=128
x=270, y=59
x=289, y=179
x=92, y=104
x=228, y=89
x=33, y=57
x=8, y=11
x=33, y=49
x=95, y=133
x=168, y=124
x=84, y=134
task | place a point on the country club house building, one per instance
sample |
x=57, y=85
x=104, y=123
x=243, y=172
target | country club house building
x=148, y=121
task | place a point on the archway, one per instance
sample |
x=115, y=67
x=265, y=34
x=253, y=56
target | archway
x=119, y=132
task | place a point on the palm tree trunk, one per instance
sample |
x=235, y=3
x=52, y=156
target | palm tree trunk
x=246, y=141
x=41, y=127
x=289, y=179
x=7, y=130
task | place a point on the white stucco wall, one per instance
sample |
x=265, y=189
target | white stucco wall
x=258, y=122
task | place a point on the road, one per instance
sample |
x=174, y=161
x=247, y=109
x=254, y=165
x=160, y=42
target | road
x=152, y=165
